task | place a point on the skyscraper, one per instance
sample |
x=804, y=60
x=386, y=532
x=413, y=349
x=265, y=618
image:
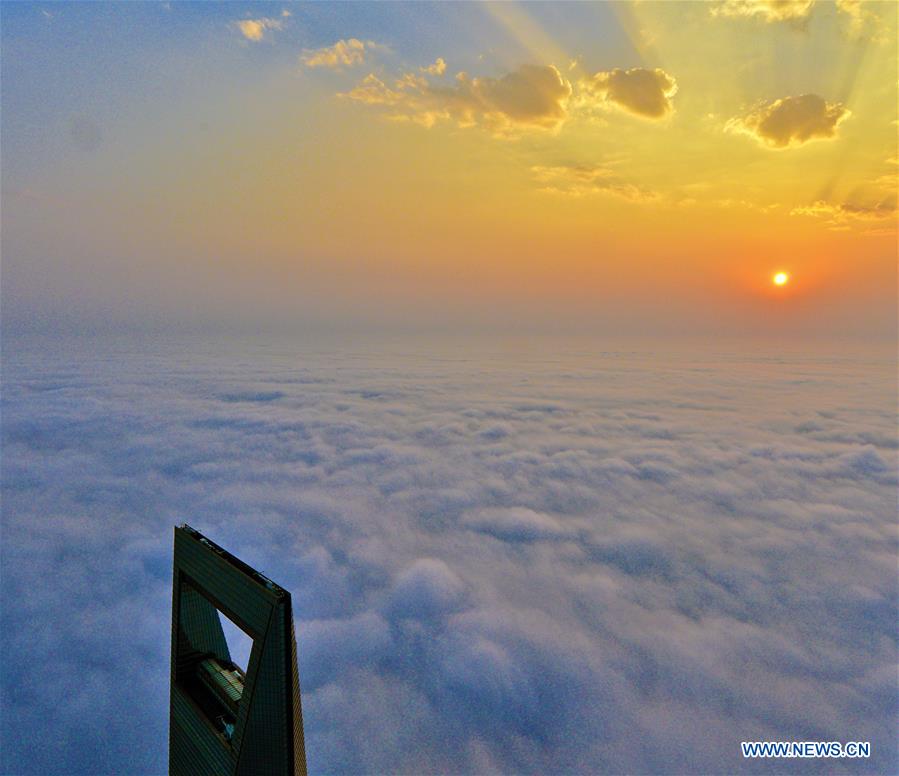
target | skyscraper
x=225, y=719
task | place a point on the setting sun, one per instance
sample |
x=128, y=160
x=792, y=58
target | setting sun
x=781, y=278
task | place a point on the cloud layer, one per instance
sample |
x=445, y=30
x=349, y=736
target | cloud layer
x=553, y=559
x=792, y=121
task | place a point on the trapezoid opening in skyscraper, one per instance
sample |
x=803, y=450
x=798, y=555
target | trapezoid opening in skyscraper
x=227, y=718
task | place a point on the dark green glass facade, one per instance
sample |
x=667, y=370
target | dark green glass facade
x=222, y=720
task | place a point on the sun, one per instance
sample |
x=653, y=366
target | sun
x=780, y=278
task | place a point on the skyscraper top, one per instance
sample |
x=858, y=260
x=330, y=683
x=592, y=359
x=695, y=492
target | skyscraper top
x=226, y=719
x=233, y=560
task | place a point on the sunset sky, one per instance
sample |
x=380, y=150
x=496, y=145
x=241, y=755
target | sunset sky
x=618, y=168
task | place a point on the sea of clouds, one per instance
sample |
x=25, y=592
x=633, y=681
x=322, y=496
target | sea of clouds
x=543, y=558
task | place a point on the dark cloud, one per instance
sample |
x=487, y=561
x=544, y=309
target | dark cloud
x=533, y=96
x=792, y=121
x=605, y=562
x=643, y=92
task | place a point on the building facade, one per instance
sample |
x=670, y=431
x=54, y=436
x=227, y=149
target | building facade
x=225, y=719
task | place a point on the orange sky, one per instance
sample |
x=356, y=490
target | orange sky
x=628, y=168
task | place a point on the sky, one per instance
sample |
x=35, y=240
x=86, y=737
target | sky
x=628, y=168
x=459, y=321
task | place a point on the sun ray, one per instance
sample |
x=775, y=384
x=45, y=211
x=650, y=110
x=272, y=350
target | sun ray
x=521, y=26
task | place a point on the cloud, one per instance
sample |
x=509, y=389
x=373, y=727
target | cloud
x=351, y=643
x=584, y=180
x=883, y=209
x=437, y=67
x=768, y=10
x=533, y=96
x=427, y=589
x=853, y=9
x=582, y=561
x=861, y=21
x=255, y=29
x=871, y=204
x=639, y=91
x=791, y=121
x=344, y=53
x=516, y=524
x=841, y=215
